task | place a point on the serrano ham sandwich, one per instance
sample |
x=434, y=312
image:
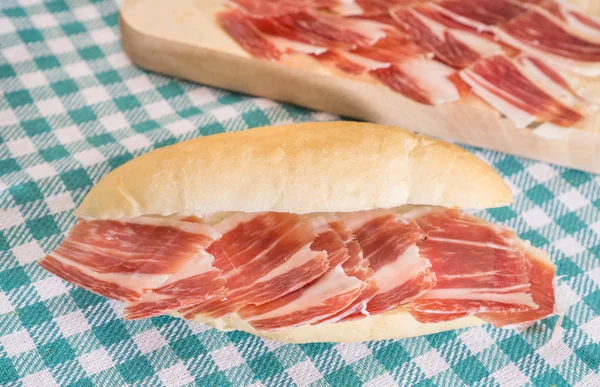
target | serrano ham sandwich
x=335, y=231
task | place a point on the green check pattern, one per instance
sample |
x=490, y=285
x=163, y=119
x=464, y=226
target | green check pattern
x=73, y=107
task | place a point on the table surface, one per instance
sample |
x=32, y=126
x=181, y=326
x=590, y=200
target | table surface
x=73, y=107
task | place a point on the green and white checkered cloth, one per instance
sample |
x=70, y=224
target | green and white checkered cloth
x=73, y=107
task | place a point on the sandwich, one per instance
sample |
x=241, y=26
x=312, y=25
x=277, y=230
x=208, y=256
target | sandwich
x=316, y=232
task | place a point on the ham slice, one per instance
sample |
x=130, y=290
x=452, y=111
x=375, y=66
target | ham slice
x=351, y=45
x=388, y=243
x=334, y=293
x=480, y=14
x=396, y=47
x=554, y=84
x=241, y=28
x=124, y=259
x=571, y=19
x=356, y=266
x=319, y=28
x=479, y=269
x=331, y=293
x=537, y=33
x=517, y=88
x=452, y=43
x=263, y=257
x=371, y=8
x=269, y=8
x=541, y=275
x=193, y=284
x=284, y=27
x=306, y=32
x=551, y=31
x=421, y=80
x=342, y=62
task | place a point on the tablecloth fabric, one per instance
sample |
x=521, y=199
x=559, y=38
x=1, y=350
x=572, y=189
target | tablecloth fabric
x=73, y=107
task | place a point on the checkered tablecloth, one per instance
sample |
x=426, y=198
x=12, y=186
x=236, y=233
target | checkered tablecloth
x=73, y=107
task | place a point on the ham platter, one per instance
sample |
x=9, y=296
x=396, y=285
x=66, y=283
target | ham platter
x=517, y=76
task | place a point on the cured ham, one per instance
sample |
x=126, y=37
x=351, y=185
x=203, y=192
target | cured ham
x=263, y=257
x=536, y=33
x=394, y=48
x=345, y=288
x=268, y=8
x=322, y=29
x=552, y=31
x=571, y=19
x=424, y=81
x=332, y=292
x=478, y=269
x=555, y=85
x=388, y=243
x=303, y=32
x=504, y=84
x=371, y=8
x=279, y=271
x=194, y=283
x=355, y=266
x=284, y=27
x=351, y=62
x=541, y=276
x=451, y=42
x=243, y=31
x=480, y=14
x=342, y=62
x=418, y=47
x=124, y=259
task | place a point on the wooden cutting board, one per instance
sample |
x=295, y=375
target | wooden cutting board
x=181, y=38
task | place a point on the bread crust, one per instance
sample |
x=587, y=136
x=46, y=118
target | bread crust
x=396, y=324
x=302, y=168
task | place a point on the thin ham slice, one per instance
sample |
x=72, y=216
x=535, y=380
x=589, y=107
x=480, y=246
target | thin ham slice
x=356, y=266
x=551, y=31
x=571, y=19
x=263, y=257
x=193, y=284
x=124, y=259
x=541, y=275
x=306, y=32
x=422, y=80
x=388, y=243
x=241, y=28
x=396, y=47
x=356, y=32
x=343, y=62
x=284, y=27
x=479, y=269
x=332, y=294
x=269, y=8
x=452, y=43
x=554, y=84
x=480, y=14
x=408, y=73
x=537, y=33
x=517, y=92
x=371, y=8
x=313, y=27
